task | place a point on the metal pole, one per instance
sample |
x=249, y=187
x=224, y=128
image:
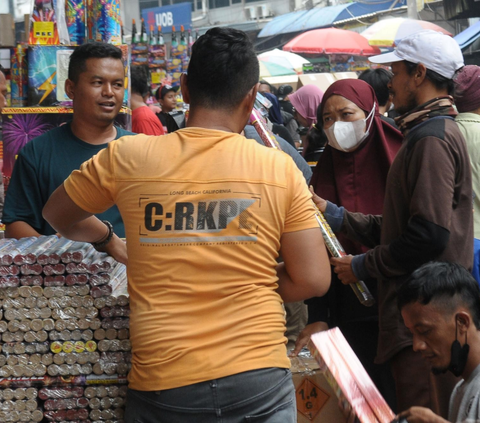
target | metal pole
x=412, y=9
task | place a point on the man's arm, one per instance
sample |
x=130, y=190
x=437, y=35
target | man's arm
x=19, y=230
x=74, y=223
x=305, y=272
x=22, y=213
x=420, y=415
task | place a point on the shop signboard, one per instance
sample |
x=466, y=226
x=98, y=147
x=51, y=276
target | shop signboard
x=168, y=16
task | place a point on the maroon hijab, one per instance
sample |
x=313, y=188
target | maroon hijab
x=356, y=180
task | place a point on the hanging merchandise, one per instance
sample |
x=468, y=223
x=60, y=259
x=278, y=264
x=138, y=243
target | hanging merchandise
x=156, y=59
x=139, y=48
x=135, y=38
x=174, y=63
x=183, y=47
x=75, y=15
x=190, y=42
x=143, y=33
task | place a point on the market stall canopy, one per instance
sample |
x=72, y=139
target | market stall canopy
x=386, y=32
x=321, y=17
x=284, y=58
x=272, y=69
x=467, y=37
x=331, y=41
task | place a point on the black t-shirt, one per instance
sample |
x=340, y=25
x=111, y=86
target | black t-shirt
x=168, y=122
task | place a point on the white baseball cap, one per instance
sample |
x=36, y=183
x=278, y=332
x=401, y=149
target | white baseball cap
x=437, y=51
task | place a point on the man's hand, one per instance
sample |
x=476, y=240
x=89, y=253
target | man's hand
x=420, y=415
x=320, y=202
x=343, y=268
x=305, y=334
x=117, y=249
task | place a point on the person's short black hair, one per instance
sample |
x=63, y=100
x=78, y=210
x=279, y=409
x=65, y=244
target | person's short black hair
x=222, y=69
x=378, y=79
x=87, y=51
x=448, y=285
x=440, y=82
x=272, y=88
x=139, y=80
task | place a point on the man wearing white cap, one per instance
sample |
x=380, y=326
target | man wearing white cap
x=427, y=210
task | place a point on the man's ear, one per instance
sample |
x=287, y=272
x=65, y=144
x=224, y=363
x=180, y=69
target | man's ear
x=250, y=98
x=463, y=322
x=70, y=88
x=420, y=74
x=184, y=88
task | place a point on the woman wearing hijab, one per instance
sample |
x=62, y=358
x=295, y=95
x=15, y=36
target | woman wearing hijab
x=305, y=102
x=352, y=173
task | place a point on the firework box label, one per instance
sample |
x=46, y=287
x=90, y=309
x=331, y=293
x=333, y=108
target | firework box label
x=19, y=76
x=316, y=401
x=22, y=124
x=43, y=24
x=48, y=71
x=42, y=74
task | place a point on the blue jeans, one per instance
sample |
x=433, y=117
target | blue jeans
x=260, y=396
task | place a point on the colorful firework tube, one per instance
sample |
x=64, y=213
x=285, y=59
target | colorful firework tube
x=331, y=241
x=75, y=13
x=267, y=137
x=107, y=21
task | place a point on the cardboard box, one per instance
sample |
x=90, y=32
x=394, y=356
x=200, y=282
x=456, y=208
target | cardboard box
x=345, y=75
x=321, y=80
x=7, y=30
x=22, y=124
x=316, y=401
x=276, y=81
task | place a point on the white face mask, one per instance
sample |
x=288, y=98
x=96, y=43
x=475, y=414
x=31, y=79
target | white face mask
x=347, y=136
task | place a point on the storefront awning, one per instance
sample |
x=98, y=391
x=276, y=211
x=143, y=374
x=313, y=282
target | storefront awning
x=322, y=17
x=467, y=37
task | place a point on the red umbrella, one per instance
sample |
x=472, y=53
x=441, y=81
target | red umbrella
x=331, y=41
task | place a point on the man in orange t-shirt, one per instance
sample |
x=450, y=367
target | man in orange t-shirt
x=207, y=213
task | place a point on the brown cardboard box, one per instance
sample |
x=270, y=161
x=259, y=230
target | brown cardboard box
x=316, y=401
x=276, y=81
x=345, y=75
x=7, y=31
x=321, y=80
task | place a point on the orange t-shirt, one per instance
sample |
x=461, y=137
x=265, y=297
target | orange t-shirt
x=204, y=211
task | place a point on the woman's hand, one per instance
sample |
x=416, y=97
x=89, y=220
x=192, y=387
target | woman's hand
x=320, y=202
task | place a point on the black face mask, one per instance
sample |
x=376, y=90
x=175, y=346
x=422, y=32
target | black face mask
x=459, y=355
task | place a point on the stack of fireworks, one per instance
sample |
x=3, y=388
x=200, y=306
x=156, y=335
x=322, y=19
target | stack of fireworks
x=63, y=321
x=72, y=22
x=106, y=21
x=348, y=378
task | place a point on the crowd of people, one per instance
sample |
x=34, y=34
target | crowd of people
x=221, y=236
